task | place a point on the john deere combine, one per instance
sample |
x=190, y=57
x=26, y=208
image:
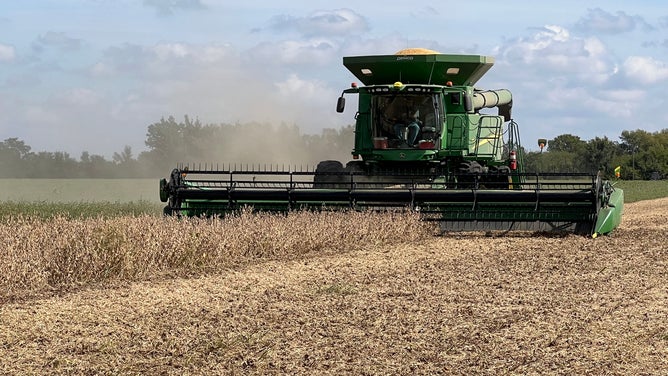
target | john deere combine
x=423, y=141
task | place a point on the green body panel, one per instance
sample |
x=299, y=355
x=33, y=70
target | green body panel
x=438, y=69
x=363, y=135
x=610, y=216
x=457, y=132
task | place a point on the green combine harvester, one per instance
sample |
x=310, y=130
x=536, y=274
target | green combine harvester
x=423, y=142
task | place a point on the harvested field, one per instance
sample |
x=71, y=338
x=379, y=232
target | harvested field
x=459, y=304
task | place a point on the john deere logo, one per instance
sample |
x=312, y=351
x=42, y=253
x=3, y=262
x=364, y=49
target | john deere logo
x=402, y=155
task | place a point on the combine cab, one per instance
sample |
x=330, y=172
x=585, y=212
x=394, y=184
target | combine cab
x=423, y=141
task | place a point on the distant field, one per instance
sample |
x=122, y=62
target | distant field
x=638, y=190
x=79, y=190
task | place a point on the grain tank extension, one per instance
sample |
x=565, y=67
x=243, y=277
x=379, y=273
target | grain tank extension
x=426, y=139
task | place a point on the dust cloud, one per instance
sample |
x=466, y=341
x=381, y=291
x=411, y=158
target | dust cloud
x=266, y=146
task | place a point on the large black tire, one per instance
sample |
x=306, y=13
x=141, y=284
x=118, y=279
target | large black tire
x=469, y=172
x=497, y=178
x=328, y=174
x=357, y=175
x=355, y=167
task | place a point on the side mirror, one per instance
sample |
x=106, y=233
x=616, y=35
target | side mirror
x=340, y=104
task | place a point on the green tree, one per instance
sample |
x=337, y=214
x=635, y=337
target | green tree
x=124, y=157
x=601, y=154
x=13, y=156
x=564, y=154
x=171, y=142
x=96, y=166
x=554, y=162
x=645, y=154
x=567, y=143
x=52, y=165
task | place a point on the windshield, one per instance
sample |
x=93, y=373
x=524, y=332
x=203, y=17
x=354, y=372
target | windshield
x=405, y=121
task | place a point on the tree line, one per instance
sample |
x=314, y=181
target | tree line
x=641, y=154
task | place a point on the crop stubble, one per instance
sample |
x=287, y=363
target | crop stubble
x=459, y=304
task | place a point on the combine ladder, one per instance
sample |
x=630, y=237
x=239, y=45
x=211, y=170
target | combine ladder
x=489, y=134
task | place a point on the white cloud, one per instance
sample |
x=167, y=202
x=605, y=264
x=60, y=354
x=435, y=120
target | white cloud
x=80, y=97
x=71, y=120
x=568, y=83
x=303, y=100
x=159, y=60
x=645, y=70
x=425, y=12
x=338, y=22
x=169, y=7
x=554, y=48
x=587, y=102
x=322, y=23
x=166, y=51
x=7, y=53
x=296, y=87
x=598, y=20
x=100, y=69
x=214, y=53
x=58, y=40
x=310, y=52
x=623, y=95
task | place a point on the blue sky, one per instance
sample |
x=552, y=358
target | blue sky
x=91, y=75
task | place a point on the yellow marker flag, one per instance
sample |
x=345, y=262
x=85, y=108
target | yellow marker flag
x=618, y=171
